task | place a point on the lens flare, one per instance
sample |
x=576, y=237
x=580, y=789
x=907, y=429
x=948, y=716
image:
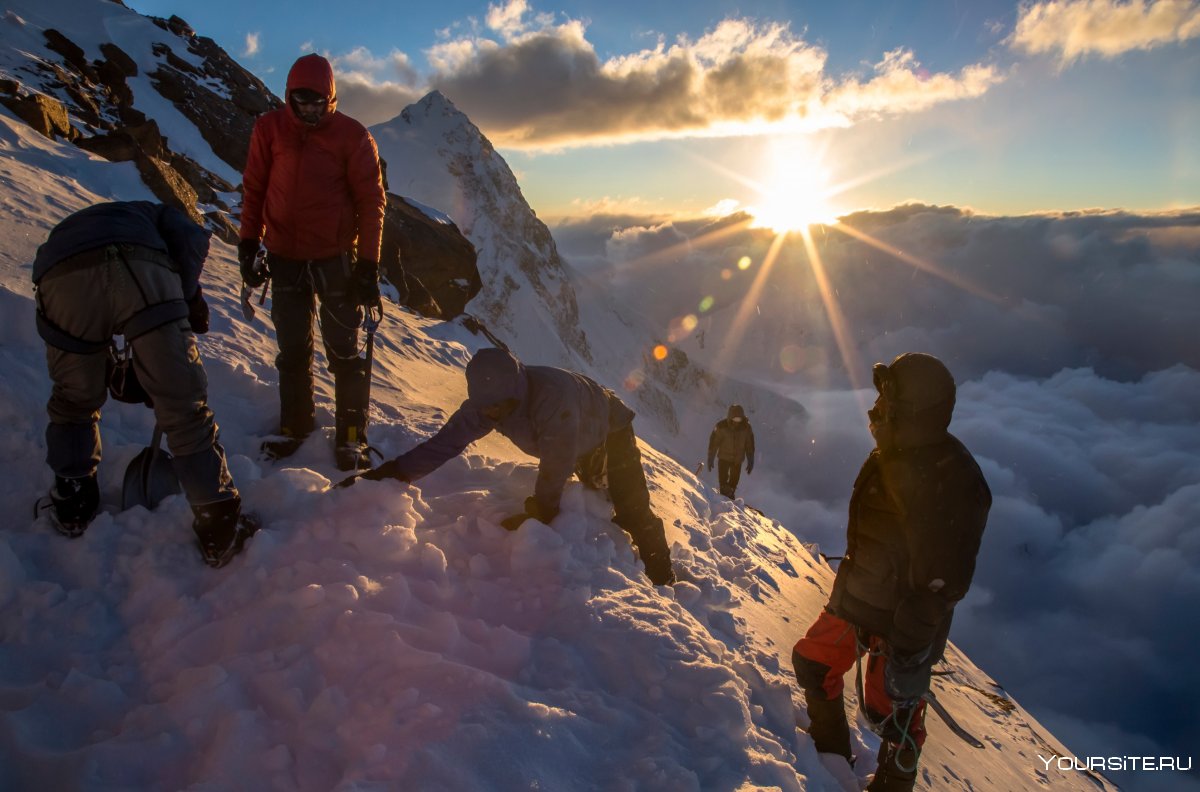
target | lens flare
x=744, y=263
x=706, y=304
x=660, y=352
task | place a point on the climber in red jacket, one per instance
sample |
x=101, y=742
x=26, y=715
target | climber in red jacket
x=314, y=198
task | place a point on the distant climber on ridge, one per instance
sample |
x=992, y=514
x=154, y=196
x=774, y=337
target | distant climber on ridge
x=566, y=420
x=313, y=196
x=731, y=441
x=917, y=515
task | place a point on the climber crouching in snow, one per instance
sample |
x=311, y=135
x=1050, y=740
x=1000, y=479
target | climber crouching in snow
x=917, y=514
x=566, y=420
x=131, y=268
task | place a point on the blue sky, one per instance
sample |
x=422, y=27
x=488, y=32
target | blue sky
x=656, y=109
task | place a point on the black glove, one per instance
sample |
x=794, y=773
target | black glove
x=198, y=312
x=253, y=275
x=749, y=468
x=514, y=522
x=532, y=511
x=388, y=470
x=710, y=465
x=364, y=281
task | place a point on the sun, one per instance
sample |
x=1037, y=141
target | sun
x=794, y=192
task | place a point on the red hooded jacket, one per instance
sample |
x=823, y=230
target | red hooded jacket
x=315, y=189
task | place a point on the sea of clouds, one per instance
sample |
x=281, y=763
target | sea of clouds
x=1073, y=339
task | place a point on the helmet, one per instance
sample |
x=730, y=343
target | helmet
x=915, y=382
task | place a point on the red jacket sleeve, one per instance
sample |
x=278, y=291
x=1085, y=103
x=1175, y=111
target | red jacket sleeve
x=366, y=185
x=254, y=181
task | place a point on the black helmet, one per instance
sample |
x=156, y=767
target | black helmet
x=915, y=382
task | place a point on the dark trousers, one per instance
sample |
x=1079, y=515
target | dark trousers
x=295, y=287
x=729, y=473
x=91, y=297
x=631, y=502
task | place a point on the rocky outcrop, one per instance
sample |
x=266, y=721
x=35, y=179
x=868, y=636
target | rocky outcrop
x=435, y=252
x=43, y=113
x=224, y=119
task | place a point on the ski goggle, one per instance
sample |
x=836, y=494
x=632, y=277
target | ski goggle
x=309, y=99
x=881, y=375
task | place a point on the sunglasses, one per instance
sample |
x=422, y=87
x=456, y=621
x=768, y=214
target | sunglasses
x=319, y=101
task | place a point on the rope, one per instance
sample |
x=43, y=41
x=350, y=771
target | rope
x=906, y=739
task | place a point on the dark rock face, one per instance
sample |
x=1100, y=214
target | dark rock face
x=224, y=121
x=436, y=253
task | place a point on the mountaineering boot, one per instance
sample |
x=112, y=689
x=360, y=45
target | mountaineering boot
x=222, y=530
x=351, y=393
x=651, y=543
x=897, y=771
x=829, y=729
x=297, y=415
x=75, y=502
x=281, y=447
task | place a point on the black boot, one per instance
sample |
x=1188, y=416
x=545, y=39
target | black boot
x=897, y=771
x=351, y=393
x=222, y=530
x=75, y=503
x=281, y=447
x=651, y=542
x=829, y=729
x=297, y=415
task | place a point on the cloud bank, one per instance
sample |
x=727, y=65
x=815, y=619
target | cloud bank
x=1072, y=29
x=532, y=82
x=1072, y=339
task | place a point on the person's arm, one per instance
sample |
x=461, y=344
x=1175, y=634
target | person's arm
x=931, y=521
x=557, y=439
x=254, y=181
x=187, y=245
x=749, y=450
x=713, y=441
x=366, y=187
x=464, y=427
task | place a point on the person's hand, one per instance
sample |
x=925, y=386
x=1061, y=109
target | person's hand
x=364, y=279
x=198, y=313
x=749, y=468
x=710, y=467
x=388, y=470
x=254, y=273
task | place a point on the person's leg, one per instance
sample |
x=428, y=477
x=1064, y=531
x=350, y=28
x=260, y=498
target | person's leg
x=735, y=476
x=631, y=504
x=821, y=658
x=903, y=728
x=341, y=317
x=723, y=475
x=168, y=365
x=292, y=307
x=68, y=298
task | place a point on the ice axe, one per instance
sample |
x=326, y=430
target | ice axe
x=150, y=476
x=247, y=296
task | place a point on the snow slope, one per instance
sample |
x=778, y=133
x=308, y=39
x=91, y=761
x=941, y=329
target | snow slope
x=393, y=636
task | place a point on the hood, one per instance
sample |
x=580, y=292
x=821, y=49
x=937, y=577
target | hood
x=494, y=375
x=314, y=73
x=735, y=411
